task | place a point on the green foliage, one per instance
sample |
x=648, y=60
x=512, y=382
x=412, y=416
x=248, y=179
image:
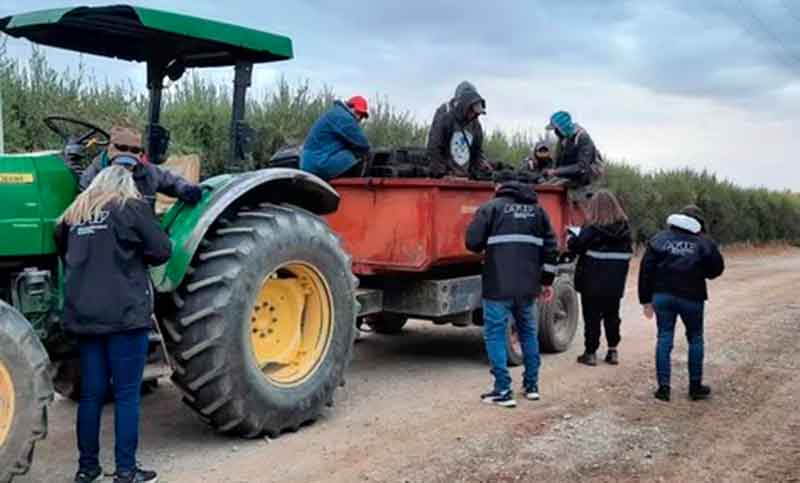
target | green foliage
x=197, y=111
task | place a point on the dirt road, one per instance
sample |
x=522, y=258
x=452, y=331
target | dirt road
x=410, y=410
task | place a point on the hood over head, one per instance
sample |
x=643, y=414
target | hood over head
x=468, y=96
x=521, y=192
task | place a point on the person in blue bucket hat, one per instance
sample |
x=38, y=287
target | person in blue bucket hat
x=578, y=162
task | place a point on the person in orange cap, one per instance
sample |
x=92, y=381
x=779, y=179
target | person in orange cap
x=336, y=141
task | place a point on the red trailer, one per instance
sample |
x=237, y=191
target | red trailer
x=406, y=237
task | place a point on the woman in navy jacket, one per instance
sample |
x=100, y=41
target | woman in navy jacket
x=604, y=249
x=672, y=283
x=107, y=239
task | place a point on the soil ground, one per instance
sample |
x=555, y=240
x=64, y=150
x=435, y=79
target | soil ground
x=410, y=409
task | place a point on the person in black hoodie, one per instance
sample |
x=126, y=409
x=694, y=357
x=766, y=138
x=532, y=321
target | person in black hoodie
x=515, y=234
x=107, y=239
x=455, y=140
x=605, y=248
x=672, y=283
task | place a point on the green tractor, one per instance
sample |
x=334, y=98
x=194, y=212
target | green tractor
x=256, y=308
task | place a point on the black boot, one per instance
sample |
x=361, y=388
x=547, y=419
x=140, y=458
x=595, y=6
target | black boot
x=698, y=391
x=662, y=393
x=588, y=359
x=612, y=357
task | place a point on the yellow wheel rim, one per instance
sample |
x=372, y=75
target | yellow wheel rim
x=6, y=403
x=291, y=324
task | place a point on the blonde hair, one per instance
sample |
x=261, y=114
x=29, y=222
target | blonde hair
x=604, y=209
x=112, y=184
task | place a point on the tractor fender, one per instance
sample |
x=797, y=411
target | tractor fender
x=187, y=225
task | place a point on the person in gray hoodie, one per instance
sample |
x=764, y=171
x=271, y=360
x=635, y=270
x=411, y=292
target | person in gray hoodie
x=455, y=140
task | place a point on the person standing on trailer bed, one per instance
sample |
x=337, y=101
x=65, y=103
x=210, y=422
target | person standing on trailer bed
x=672, y=283
x=107, y=239
x=515, y=234
x=125, y=149
x=337, y=142
x=604, y=248
x=455, y=140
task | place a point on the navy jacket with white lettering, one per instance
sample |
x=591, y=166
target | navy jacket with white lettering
x=678, y=262
x=107, y=287
x=515, y=233
x=604, y=255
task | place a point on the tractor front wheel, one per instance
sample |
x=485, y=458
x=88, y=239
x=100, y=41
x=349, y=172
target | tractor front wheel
x=25, y=391
x=265, y=322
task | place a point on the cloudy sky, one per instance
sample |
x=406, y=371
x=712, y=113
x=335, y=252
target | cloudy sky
x=659, y=83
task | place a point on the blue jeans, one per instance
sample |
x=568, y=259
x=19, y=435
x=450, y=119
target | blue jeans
x=336, y=164
x=119, y=357
x=495, y=323
x=667, y=308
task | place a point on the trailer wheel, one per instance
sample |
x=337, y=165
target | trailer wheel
x=387, y=323
x=558, y=320
x=25, y=391
x=265, y=322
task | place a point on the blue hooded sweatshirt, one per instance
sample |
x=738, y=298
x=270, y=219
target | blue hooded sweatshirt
x=333, y=143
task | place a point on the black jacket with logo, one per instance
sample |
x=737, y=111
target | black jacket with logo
x=604, y=256
x=450, y=120
x=150, y=179
x=515, y=233
x=679, y=262
x=107, y=288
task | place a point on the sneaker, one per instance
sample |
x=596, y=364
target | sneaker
x=699, y=391
x=662, y=393
x=588, y=359
x=88, y=476
x=136, y=476
x=500, y=398
x=612, y=357
x=532, y=393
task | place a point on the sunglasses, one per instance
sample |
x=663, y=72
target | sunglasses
x=124, y=148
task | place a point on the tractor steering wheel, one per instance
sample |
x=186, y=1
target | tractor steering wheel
x=84, y=138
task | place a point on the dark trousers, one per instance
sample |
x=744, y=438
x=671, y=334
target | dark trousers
x=668, y=308
x=119, y=358
x=599, y=312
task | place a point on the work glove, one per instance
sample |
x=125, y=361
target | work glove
x=192, y=194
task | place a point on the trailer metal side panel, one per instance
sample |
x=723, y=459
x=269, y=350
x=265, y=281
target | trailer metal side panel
x=415, y=224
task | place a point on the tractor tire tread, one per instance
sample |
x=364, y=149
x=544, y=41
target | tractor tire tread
x=200, y=337
x=22, y=441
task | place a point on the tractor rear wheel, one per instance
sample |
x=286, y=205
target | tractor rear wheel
x=558, y=320
x=265, y=322
x=25, y=391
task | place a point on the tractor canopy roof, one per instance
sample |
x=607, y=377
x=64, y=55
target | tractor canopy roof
x=147, y=35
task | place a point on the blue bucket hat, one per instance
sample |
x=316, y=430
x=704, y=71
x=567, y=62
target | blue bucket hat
x=562, y=121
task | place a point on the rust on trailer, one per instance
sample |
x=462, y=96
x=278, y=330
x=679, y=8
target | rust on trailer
x=414, y=224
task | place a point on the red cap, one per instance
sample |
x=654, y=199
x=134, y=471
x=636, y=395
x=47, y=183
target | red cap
x=359, y=104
